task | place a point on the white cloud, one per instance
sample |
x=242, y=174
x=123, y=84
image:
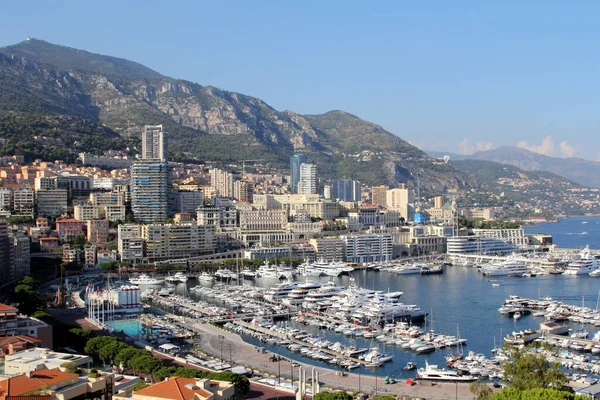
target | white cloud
x=466, y=147
x=547, y=147
x=566, y=150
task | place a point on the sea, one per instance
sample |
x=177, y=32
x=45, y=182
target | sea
x=465, y=302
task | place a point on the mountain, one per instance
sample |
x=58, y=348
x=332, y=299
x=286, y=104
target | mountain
x=583, y=172
x=204, y=122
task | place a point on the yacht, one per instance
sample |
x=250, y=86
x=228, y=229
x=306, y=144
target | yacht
x=276, y=293
x=321, y=298
x=322, y=267
x=178, y=277
x=224, y=274
x=584, y=264
x=248, y=274
x=145, y=279
x=408, y=269
x=297, y=295
x=433, y=373
x=506, y=268
x=206, y=277
x=274, y=271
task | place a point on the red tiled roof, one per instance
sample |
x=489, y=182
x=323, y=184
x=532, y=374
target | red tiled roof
x=5, y=340
x=48, y=238
x=176, y=388
x=21, y=384
x=58, y=221
x=4, y=307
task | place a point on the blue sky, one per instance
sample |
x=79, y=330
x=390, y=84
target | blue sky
x=452, y=77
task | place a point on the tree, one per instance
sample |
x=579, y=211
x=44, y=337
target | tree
x=163, y=372
x=384, y=397
x=93, y=346
x=481, y=390
x=529, y=371
x=111, y=350
x=139, y=386
x=126, y=355
x=332, y=396
x=511, y=393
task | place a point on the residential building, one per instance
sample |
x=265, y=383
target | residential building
x=6, y=199
x=516, y=237
x=243, y=191
x=486, y=214
x=296, y=161
x=130, y=243
x=401, y=200
x=439, y=202
x=89, y=256
x=346, y=190
x=41, y=358
x=183, y=217
x=150, y=188
x=104, y=161
x=70, y=254
x=368, y=248
x=13, y=323
x=222, y=218
x=68, y=229
x=174, y=241
x=379, y=195
x=16, y=343
x=179, y=388
x=154, y=143
x=97, y=232
x=186, y=201
x=20, y=258
x=49, y=244
x=329, y=249
x=107, y=198
x=222, y=183
x=308, y=179
x=5, y=250
x=23, y=202
x=51, y=202
x=105, y=256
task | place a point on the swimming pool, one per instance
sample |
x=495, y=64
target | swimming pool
x=131, y=327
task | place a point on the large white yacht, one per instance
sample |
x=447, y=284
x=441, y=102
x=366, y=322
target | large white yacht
x=145, y=279
x=321, y=298
x=408, y=269
x=322, y=267
x=505, y=268
x=279, y=291
x=584, y=264
x=433, y=373
x=297, y=295
x=178, y=277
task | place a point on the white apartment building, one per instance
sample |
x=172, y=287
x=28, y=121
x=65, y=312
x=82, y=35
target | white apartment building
x=154, y=143
x=107, y=198
x=6, y=199
x=174, y=241
x=329, y=249
x=256, y=221
x=243, y=191
x=89, y=255
x=84, y=212
x=515, y=237
x=308, y=179
x=23, y=201
x=221, y=183
x=368, y=248
x=401, y=200
x=130, y=243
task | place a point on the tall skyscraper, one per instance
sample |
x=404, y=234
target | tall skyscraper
x=154, y=143
x=221, y=182
x=151, y=178
x=295, y=162
x=308, y=179
x=346, y=190
x=378, y=195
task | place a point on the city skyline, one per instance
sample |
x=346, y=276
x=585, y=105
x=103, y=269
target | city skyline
x=452, y=78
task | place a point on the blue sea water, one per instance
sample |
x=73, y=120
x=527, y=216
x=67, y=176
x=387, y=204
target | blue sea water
x=571, y=233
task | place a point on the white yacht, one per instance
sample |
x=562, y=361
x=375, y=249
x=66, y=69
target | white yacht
x=224, y=274
x=278, y=292
x=433, y=373
x=248, y=274
x=206, y=277
x=297, y=295
x=274, y=271
x=145, y=279
x=321, y=298
x=408, y=269
x=178, y=277
x=322, y=267
x=586, y=263
x=506, y=268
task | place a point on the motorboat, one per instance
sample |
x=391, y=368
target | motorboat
x=145, y=279
x=517, y=315
x=178, y=277
x=410, y=366
x=275, y=271
x=434, y=373
x=248, y=274
x=431, y=269
x=408, y=269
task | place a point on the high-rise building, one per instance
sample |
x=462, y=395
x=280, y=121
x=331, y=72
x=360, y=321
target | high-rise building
x=5, y=250
x=378, y=195
x=97, y=232
x=20, y=261
x=150, y=188
x=308, y=179
x=154, y=143
x=438, y=202
x=295, y=162
x=346, y=190
x=221, y=182
x=243, y=191
x=51, y=202
x=401, y=200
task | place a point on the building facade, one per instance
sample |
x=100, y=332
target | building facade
x=296, y=161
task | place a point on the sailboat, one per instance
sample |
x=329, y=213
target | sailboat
x=453, y=357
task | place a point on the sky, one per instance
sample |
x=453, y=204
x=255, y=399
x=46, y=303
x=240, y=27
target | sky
x=456, y=76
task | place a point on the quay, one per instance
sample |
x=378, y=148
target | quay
x=477, y=259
